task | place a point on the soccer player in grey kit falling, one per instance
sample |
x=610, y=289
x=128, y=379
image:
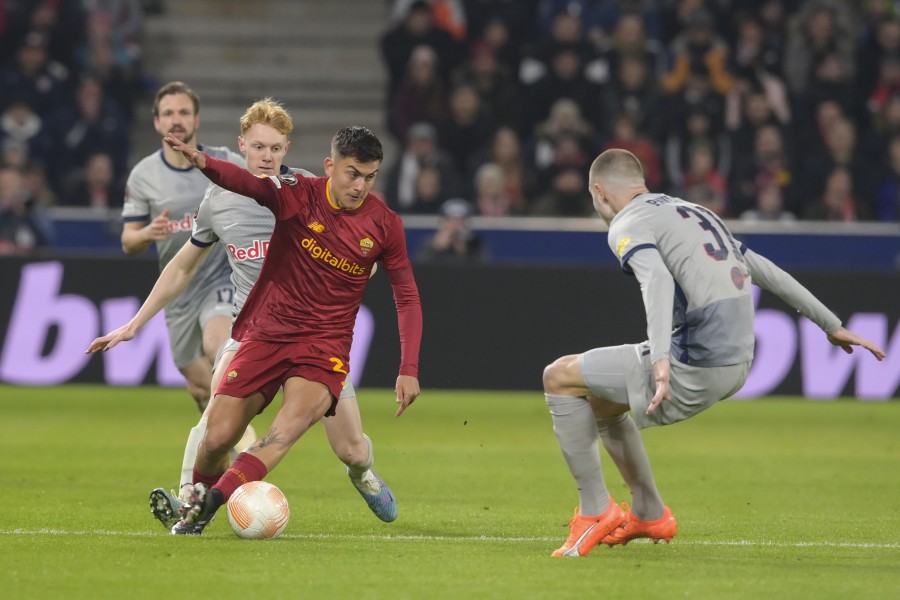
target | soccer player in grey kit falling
x=695, y=281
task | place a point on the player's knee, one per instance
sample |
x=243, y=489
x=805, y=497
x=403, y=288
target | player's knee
x=219, y=441
x=563, y=374
x=554, y=377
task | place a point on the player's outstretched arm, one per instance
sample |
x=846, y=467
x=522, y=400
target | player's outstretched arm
x=846, y=339
x=172, y=280
x=771, y=277
x=113, y=338
x=193, y=154
x=232, y=177
x=407, y=390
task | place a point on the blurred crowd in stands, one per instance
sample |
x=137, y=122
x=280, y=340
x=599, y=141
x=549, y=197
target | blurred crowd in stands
x=759, y=109
x=769, y=110
x=70, y=73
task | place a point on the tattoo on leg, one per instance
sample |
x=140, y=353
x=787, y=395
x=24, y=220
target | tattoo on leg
x=272, y=437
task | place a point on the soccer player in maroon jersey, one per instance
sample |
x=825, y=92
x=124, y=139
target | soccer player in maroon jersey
x=296, y=326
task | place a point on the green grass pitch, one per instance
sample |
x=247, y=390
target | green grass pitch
x=775, y=498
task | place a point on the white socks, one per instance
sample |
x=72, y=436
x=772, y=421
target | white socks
x=356, y=472
x=190, y=451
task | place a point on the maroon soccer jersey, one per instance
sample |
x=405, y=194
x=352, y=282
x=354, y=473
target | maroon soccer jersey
x=318, y=264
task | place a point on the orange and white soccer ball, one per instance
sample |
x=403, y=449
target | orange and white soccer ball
x=258, y=510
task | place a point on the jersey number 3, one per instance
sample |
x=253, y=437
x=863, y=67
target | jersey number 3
x=709, y=222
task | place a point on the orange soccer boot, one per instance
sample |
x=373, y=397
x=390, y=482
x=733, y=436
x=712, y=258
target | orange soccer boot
x=663, y=528
x=587, y=532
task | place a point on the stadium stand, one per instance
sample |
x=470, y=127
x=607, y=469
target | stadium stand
x=770, y=111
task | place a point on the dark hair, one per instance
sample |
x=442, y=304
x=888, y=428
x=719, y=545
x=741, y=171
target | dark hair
x=357, y=142
x=175, y=87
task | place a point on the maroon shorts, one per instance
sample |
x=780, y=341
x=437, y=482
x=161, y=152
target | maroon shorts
x=265, y=366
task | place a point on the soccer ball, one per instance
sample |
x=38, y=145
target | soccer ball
x=258, y=510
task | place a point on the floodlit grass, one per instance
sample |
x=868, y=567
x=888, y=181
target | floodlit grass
x=776, y=498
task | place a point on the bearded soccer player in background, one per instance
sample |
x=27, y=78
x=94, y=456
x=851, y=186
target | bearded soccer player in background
x=245, y=228
x=695, y=280
x=165, y=185
x=296, y=326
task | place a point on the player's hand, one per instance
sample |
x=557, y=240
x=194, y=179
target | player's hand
x=197, y=158
x=111, y=339
x=846, y=339
x=158, y=228
x=407, y=391
x=661, y=375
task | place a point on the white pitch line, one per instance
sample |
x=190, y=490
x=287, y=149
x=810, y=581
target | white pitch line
x=472, y=538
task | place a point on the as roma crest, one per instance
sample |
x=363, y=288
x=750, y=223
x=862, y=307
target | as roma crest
x=288, y=179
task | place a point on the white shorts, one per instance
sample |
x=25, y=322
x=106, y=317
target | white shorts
x=624, y=374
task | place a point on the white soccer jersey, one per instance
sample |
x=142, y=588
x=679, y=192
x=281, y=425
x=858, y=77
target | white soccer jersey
x=712, y=317
x=712, y=320
x=244, y=227
x=154, y=186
